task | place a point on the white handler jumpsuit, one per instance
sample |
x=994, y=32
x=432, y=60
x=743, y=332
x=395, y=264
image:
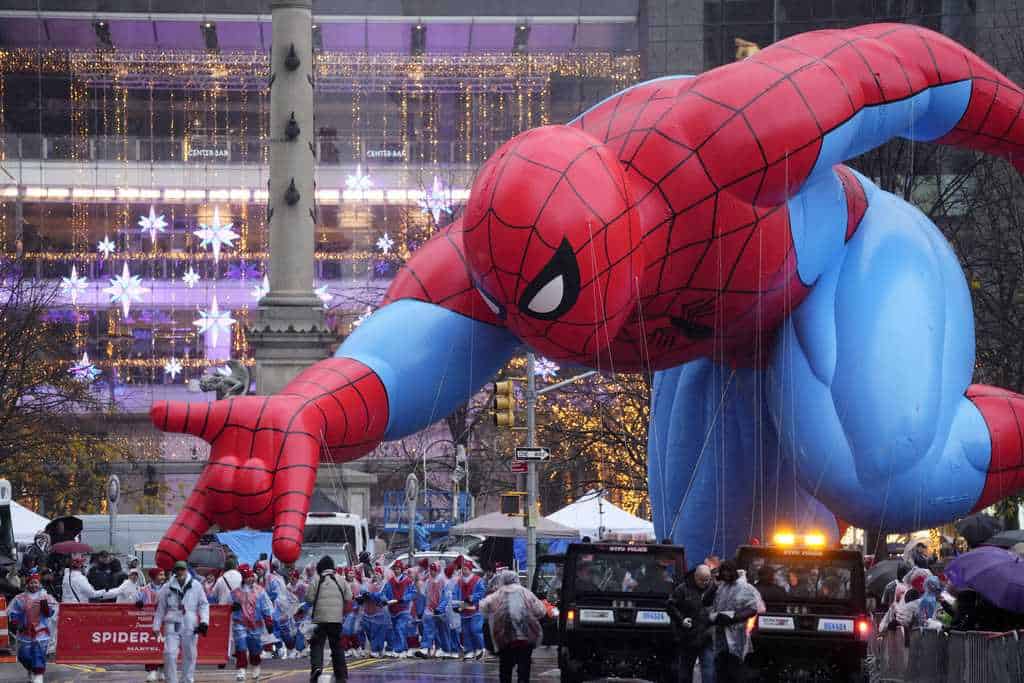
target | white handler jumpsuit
x=179, y=610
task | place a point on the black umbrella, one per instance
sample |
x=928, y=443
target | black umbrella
x=64, y=529
x=1006, y=539
x=879, y=576
x=976, y=529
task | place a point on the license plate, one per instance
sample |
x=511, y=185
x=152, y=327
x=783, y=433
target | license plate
x=776, y=623
x=652, y=617
x=835, y=625
x=598, y=616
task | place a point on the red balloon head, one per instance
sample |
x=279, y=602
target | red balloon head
x=553, y=242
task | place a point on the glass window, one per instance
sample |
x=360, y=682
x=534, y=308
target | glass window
x=649, y=572
x=335, y=534
x=804, y=577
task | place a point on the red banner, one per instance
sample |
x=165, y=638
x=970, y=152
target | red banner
x=123, y=634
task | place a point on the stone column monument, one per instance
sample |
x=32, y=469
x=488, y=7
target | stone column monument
x=288, y=333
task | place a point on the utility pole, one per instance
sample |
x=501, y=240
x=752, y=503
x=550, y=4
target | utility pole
x=531, y=468
x=532, y=394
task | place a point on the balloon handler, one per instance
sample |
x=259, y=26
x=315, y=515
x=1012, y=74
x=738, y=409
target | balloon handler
x=252, y=613
x=31, y=616
x=182, y=615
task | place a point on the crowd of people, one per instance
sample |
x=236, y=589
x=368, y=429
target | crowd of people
x=918, y=598
x=428, y=610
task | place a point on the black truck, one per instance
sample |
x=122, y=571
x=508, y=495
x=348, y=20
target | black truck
x=612, y=619
x=816, y=626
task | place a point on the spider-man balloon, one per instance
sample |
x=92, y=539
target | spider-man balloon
x=811, y=335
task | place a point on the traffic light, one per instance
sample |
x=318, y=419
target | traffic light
x=504, y=404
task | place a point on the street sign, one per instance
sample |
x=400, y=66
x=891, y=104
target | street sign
x=520, y=467
x=534, y=454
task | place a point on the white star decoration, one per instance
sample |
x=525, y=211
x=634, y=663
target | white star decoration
x=125, y=288
x=384, y=243
x=173, y=367
x=358, y=182
x=73, y=285
x=546, y=369
x=322, y=294
x=216, y=235
x=436, y=200
x=262, y=289
x=362, y=318
x=84, y=370
x=152, y=223
x=106, y=247
x=214, y=321
x=190, y=278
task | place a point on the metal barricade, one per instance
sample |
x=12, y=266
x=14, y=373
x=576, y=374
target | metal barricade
x=947, y=657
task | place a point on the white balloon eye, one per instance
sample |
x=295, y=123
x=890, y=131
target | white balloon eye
x=549, y=298
x=495, y=307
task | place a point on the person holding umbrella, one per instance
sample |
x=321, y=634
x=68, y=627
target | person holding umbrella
x=997, y=578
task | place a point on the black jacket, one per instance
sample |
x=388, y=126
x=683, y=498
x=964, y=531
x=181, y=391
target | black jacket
x=105, y=577
x=687, y=608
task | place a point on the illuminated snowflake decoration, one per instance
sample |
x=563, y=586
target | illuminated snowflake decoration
x=545, y=369
x=173, y=367
x=362, y=318
x=215, y=235
x=358, y=182
x=436, y=201
x=322, y=294
x=84, y=370
x=152, y=223
x=190, y=278
x=125, y=288
x=214, y=321
x=74, y=285
x=106, y=247
x=384, y=243
x=261, y=289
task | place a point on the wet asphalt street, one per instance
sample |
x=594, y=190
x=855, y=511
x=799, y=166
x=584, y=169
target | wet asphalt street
x=410, y=670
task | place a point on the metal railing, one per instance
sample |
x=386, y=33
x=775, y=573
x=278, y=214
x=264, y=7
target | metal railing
x=948, y=657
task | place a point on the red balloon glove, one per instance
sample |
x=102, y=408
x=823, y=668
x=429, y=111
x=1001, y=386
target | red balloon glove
x=265, y=451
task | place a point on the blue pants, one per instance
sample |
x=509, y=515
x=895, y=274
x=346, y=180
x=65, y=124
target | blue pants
x=251, y=641
x=400, y=625
x=375, y=630
x=435, y=632
x=473, y=633
x=286, y=630
x=32, y=655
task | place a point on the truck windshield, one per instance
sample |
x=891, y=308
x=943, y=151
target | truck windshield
x=329, y=533
x=627, y=572
x=803, y=576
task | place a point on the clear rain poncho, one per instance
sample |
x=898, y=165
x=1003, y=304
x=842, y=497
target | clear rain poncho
x=731, y=598
x=513, y=613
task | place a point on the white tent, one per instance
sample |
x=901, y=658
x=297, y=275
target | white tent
x=505, y=526
x=596, y=517
x=26, y=523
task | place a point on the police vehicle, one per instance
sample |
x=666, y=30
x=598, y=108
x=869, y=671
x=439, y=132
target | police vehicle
x=612, y=619
x=816, y=626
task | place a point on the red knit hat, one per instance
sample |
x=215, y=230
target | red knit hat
x=154, y=572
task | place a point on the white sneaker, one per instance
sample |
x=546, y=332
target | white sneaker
x=38, y=678
x=256, y=673
x=153, y=675
x=240, y=675
x=375, y=655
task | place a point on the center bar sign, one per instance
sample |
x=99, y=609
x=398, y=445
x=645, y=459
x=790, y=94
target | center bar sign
x=123, y=634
